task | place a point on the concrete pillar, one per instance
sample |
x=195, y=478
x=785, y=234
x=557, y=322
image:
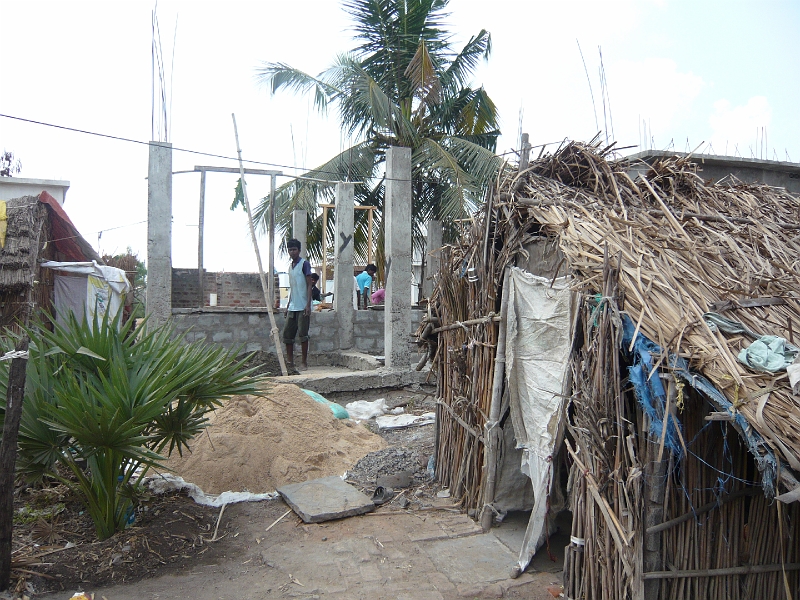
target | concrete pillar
x=343, y=264
x=158, y=303
x=433, y=258
x=397, y=227
x=300, y=231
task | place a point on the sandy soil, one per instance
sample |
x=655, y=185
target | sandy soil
x=178, y=549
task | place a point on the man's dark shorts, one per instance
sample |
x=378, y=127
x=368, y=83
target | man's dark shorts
x=296, y=325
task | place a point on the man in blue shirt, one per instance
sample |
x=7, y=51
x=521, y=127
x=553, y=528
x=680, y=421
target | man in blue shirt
x=298, y=311
x=364, y=282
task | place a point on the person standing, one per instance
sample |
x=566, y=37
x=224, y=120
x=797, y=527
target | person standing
x=364, y=282
x=316, y=294
x=298, y=311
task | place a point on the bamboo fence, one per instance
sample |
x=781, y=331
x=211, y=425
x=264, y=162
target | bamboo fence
x=665, y=249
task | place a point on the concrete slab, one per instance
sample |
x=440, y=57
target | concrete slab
x=511, y=532
x=550, y=558
x=324, y=380
x=325, y=499
x=473, y=560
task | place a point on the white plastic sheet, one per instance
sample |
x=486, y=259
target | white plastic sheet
x=166, y=482
x=540, y=325
x=407, y=420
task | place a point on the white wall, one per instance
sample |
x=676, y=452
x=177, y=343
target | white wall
x=17, y=187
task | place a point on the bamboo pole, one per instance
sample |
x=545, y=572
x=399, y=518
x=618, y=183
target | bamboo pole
x=492, y=432
x=264, y=286
x=744, y=570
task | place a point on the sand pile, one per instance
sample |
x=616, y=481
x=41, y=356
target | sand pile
x=258, y=444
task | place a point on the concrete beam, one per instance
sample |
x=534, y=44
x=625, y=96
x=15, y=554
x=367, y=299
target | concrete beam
x=343, y=264
x=433, y=258
x=300, y=231
x=397, y=227
x=158, y=304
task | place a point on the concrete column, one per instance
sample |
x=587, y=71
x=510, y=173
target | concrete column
x=433, y=258
x=158, y=304
x=397, y=227
x=300, y=231
x=343, y=264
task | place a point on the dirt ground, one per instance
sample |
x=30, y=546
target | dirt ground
x=179, y=549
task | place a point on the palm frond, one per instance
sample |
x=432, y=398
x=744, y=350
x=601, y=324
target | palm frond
x=356, y=163
x=478, y=116
x=468, y=113
x=461, y=169
x=482, y=163
x=280, y=75
x=421, y=72
x=460, y=71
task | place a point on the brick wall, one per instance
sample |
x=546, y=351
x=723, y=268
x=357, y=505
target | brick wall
x=186, y=288
x=232, y=289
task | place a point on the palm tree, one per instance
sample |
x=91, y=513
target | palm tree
x=402, y=86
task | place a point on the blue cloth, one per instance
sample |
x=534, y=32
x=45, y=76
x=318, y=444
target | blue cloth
x=648, y=391
x=647, y=385
x=298, y=285
x=364, y=280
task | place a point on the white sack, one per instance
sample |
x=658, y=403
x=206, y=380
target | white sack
x=363, y=410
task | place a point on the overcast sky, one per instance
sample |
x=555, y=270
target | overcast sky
x=678, y=74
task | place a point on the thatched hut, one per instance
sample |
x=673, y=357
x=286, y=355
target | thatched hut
x=37, y=229
x=616, y=327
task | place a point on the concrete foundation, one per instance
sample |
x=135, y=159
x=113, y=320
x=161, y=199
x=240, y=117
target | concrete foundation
x=249, y=329
x=397, y=227
x=300, y=230
x=343, y=263
x=158, y=305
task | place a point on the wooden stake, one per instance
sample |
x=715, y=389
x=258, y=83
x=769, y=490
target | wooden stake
x=493, y=433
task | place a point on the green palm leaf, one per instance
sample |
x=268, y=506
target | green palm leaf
x=403, y=85
x=103, y=402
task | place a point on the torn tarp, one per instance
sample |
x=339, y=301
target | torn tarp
x=765, y=459
x=540, y=325
x=648, y=388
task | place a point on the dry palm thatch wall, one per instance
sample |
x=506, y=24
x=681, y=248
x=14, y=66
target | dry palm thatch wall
x=660, y=251
x=27, y=233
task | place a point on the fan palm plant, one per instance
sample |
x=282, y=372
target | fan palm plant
x=402, y=86
x=103, y=402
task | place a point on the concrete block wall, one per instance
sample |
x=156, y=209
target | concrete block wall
x=250, y=328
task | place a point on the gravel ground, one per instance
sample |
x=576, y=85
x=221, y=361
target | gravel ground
x=409, y=449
